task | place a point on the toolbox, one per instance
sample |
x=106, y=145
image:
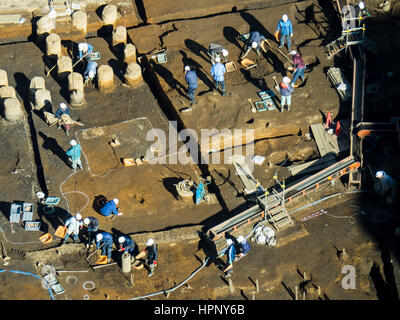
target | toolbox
x=32, y=225
x=27, y=211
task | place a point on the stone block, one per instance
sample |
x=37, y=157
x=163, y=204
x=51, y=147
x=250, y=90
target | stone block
x=53, y=46
x=109, y=14
x=3, y=78
x=42, y=99
x=79, y=21
x=75, y=81
x=129, y=53
x=45, y=25
x=119, y=35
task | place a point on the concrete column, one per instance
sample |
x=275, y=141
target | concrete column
x=45, y=25
x=42, y=99
x=110, y=14
x=133, y=75
x=7, y=92
x=12, y=109
x=105, y=78
x=75, y=81
x=119, y=35
x=79, y=21
x=3, y=78
x=53, y=46
x=64, y=67
x=37, y=83
x=129, y=53
x=77, y=98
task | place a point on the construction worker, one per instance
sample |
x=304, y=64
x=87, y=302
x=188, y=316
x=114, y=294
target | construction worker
x=244, y=247
x=254, y=42
x=127, y=244
x=217, y=72
x=361, y=11
x=92, y=225
x=105, y=241
x=63, y=109
x=74, y=154
x=110, y=208
x=385, y=185
x=286, y=90
x=90, y=72
x=285, y=28
x=85, y=49
x=299, y=67
x=230, y=253
x=73, y=225
x=191, y=80
x=216, y=50
x=151, y=254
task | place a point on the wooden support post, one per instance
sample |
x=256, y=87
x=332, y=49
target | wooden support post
x=254, y=295
x=304, y=295
x=231, y=287
x=296, y=293
x=257, y=287
x=319, y=291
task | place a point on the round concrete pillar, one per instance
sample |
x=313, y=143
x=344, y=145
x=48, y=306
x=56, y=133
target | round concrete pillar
x=79, y=21
x=42, y=99
x=7, y=92
x=126, y=262
x=130, y=53
x=12, y=109
x=45, y=25
x=37, y=83
x=77, y=98
x=53, y=46
x=133, y=75
x=110, y=14
x=75, y=81
x=119, y=35
x=64, y=67
x=105, y=78
x=3, y=78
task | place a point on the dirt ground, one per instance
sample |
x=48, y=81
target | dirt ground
x=360, y=223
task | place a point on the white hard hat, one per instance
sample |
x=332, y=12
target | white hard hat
x=121, y=239
x=99, y=237
x=86, y=221
x=229, y=242
x=91, y=74
x=78, y=216
x=284, y=17
x=217, y=59
x=116, y=201
x=241, y=239
x=261, y=238
x=379, y=174
x=40, y=194
x=361, y=5
x=224, y=52
x=83, y=46
x=150, y=242
x=63, y=105
x=254, y=44
x=72, y=142
x=187, y=68
x=286, y=80
x=293, y=52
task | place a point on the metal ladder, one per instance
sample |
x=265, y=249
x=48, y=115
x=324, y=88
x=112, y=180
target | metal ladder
x=274, y=207
x=335, y=46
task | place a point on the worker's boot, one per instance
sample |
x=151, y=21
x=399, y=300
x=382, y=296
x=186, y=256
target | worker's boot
x=288, y=108
x=224, y=93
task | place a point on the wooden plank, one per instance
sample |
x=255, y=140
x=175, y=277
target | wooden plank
x=321, y=144
x=312, y=165
x=9, y=18
x=244, y=174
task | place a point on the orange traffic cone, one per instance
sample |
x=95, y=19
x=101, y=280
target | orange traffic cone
x=337, y=131
x=328, y=121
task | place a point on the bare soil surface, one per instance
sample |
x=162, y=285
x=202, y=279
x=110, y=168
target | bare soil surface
x=361, y=223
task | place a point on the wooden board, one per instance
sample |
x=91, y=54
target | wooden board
x=312, y=165
x=244, y=174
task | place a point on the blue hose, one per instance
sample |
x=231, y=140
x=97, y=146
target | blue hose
x=28, y=274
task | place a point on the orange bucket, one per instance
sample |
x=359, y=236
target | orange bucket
x=46, y=238
x=61, y=232
x=102, y=260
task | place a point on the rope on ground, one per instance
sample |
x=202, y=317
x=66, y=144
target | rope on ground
x=28, y=274
x=350, y=217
